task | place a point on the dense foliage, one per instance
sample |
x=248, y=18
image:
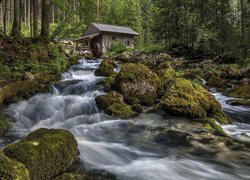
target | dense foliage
x=218, y=27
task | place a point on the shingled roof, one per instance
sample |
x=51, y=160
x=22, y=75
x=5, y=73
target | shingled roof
x=115, y=29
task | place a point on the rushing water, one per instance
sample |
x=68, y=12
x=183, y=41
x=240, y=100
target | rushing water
x=121, y=147
x=240, y=128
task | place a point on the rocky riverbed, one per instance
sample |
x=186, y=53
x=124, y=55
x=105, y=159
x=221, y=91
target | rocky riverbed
x=150, y=117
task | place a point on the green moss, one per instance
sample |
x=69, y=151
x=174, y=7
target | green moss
x=113, y=104
x=221, y=117
x=166, y=78
x=69, y=176
x=32, y=57
x=213, y=70
x=240, y=91
x=211, y=126
x=45, y=152
x=217, y=82
x=207, y=127
x=185, y=97
x=164, y=65
x=137, y=108
x=107, y=100
x=106, y=68
x=4, y=125
x=193, y=74
x=108, y=84
x=164, y=57
x=230, y=71
x=120, y=110
x=25, y=89
x=11, y=169
x=137, y=83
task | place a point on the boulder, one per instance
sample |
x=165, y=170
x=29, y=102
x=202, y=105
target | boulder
x=240, y=91
x=172, y=138
x=193, y=74
x=230, y=71
x=114, y=105
x=164, y=57
x=217, y=82
x=211, y=126
x=124, y=57
x=245, y=72
x=11, y=169
x=106, y=68
x=107, y=100
x=138, y=84
x=166, y=77
x=160, y=61
x=108, y=84
x=46, y=153
x=164, y=65
x=188, y=98
x=121, y=110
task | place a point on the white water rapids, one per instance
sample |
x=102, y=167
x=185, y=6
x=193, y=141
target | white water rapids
x=241, y=128
x=121, y=147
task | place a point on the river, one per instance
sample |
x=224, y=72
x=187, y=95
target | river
x=121, y=147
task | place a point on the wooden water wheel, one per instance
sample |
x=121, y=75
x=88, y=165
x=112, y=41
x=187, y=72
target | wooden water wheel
x=96, y=48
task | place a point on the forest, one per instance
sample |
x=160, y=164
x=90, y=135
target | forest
x=216, y=27
x=124, y=89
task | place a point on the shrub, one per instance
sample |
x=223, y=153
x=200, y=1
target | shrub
x=117, y=48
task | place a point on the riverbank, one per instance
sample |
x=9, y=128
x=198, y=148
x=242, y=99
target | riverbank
x=28, y=67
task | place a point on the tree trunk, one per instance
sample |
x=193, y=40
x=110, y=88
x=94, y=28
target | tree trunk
x=243, y=27
x=46, y=17
x=5, y=17
x=35, y=17
x=16, y=22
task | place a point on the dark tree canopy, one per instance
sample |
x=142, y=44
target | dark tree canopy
x=214, y=27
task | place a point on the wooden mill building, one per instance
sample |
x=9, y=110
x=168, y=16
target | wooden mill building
x=98, y=38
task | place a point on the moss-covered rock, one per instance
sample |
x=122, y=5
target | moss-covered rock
x=221, y=117
x=164, y=57
x=108, y=84
x=25, y=89
x=169, y=75
x=193, y=74
x=106, y=68
x=210, y=125
x=164, y=65
x=114, y=105
x=45, y=152
x=137, y=83
x=11, y=169
x=107, y=100
x=239, y=102
x=121, y=110
x=4, y=125
x=230, y=71
x=187, y=98
x=137, y=108
x=217, y=82
x=166, y=77
x=240, y=91
x=69, y=176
